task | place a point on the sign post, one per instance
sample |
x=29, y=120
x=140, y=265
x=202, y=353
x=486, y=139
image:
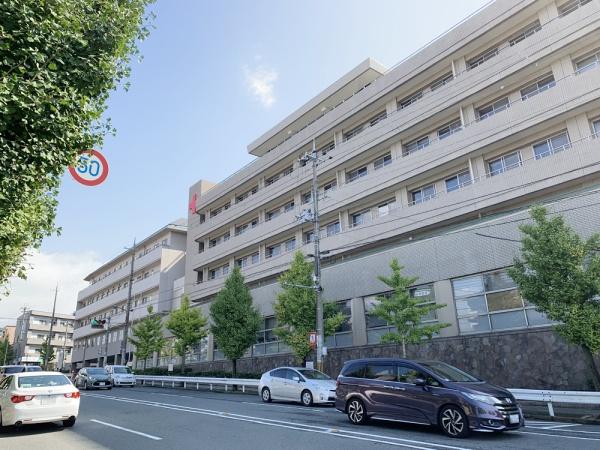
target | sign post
x=91, y=168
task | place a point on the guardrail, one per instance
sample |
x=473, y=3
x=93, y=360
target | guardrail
x=549, y=397
x=153, y=380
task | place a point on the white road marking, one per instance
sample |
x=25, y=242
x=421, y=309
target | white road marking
x=560, y=435
x=342, y=433
x=139, y=433
x=556, y=427
x=303, y=408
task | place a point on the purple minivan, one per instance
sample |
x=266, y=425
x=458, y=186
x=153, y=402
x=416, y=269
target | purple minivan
x=424, y=392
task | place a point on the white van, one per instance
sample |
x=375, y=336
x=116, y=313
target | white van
x=120, y=375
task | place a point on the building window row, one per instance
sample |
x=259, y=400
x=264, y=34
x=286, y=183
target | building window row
x=219, y=239
x=273, y=178
x=570, y=6
x=240, y=198
x=216, y=211
x=382, y=115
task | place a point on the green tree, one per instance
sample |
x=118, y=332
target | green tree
x=6, y=352
x=296, y=308
x=559, y=273
x=59, y=60
x=404, y=312
x=235, y=321
x=148, y=336
x=47, y=349
x=188, y=325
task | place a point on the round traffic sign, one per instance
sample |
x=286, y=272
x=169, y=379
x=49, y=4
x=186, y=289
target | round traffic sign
x=91, y=168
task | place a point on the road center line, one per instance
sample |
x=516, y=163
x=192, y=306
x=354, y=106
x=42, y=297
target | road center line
x=560, y=435
x=139, y=433
x=347, y=434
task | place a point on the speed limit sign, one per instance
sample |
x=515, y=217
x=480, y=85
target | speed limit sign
x=91, y=168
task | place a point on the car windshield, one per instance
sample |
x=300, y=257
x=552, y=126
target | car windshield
x=97, y=371
x=121, y=370
x=33, y=381
x=313, y=374
x=15, y=369
x=447, y=372
x=34, y=369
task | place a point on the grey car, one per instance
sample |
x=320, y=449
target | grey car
x=92, y=378
x=424, y=392
x=298, y=384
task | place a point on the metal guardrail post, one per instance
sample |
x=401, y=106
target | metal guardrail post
x=550, y=409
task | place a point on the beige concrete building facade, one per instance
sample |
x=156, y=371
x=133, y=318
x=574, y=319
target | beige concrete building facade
x=433, y=161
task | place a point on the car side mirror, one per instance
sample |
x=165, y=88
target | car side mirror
x=296, y=379
x=420, y=382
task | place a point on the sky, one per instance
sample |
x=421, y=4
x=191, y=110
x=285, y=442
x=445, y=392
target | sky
x=214, y=76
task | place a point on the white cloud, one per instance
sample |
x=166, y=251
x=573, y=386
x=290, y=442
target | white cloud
x=260, y=80
x=37, y=291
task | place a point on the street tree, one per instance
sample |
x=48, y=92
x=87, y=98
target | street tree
x=148, y=336
x=188, y=325
x=296, y=309
x=6, y=351
x=47, y=349
x=559, y=273
x=59, y=60
x=235, y=321
x=404, y=312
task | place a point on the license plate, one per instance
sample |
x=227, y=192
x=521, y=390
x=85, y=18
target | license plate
x=100, y=384
x=513, y=418
x=48, y=400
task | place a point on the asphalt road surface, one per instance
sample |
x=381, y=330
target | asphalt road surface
x=154, y=418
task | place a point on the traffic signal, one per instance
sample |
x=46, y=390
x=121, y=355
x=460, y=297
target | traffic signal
x=95, y=323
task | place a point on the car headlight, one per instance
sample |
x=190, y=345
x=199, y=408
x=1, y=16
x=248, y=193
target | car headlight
x=483, y=398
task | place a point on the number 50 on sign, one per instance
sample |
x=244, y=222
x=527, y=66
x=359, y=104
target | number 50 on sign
x=91, y=168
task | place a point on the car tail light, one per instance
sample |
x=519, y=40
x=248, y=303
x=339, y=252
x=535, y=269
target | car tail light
x=337, y=384
x=21, y=398
x=73, y=394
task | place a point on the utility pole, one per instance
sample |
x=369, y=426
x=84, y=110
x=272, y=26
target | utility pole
x=49, y=341
x=64, y=349
x=5, y=349
x=314, y=158
x=106, y=334
x=126, y=330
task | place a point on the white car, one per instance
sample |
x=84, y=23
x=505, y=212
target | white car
x=38, y=397
x=120, y=375
x=306, y=386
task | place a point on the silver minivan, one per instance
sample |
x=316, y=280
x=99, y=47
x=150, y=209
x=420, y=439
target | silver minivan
x=120, y=375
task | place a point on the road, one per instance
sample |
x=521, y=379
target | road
x=153, y=418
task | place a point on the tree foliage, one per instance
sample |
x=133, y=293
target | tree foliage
x=188, y=325
x=148, y=336
x=47, y=349
x=6, y=351
x=404, y=312
x=59, y=60
x=235, y=321
x=559, y=273
x=296, y=308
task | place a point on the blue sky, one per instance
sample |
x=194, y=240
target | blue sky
x=214, y=76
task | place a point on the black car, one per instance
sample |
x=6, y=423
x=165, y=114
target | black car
x=424, y=392
x=92, y=378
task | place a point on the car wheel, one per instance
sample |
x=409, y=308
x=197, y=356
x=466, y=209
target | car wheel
x=265, y=394
x=454, y=422
x=85, y=386
x=357, y=413
x=69, y=422
x=306, y=398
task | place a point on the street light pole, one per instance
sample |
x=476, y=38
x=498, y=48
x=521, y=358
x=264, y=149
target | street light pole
x=126, y=329
x=107, y=333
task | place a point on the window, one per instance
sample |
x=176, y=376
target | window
x=326, y=148
x=333, y=228
x=267, y=341
x=458, y=181
x=272, y=179
x=383, y=161
x=353, y=132
x=382, y=372
x=423, y=194
x=273, y=250
x=272, y=214
x=245, y=195
x=596, y=128
x=504, y=163
x=491, y=301
x=245, y=227
x=529, y=30
x=481, y=58
x=309, y=236
x=383, y=209
x=360, y=218
x=225, y=269
x=444, y=79
x=588, y=62
x=378, y=118
x=200, y=246
x=290, y=244
x=489, y=110
x=551, y=145
x=541, y=85
x=410, y=100
x=449, y=129
x=255, y=258
x=306, y=197
x=217, y=211
x=415, y=145
x=329, y=186
x=570, y=6
x=356, y=174
x=289, y=206
x=343, y=336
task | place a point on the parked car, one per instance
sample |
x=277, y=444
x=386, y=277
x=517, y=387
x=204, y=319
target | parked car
x=120, y=375
x=92, y=378
x=424, y=392
x=37, y=397
x=307, y=386
x=6, y=370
